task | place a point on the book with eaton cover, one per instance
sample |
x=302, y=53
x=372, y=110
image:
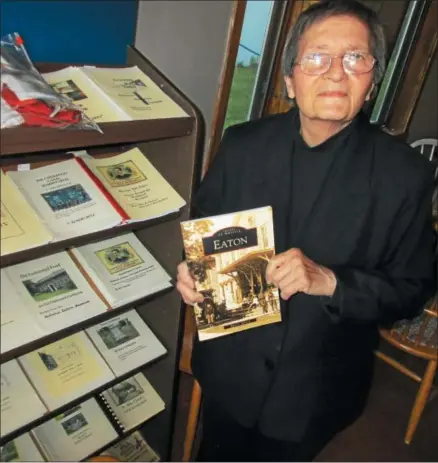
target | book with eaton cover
x=227, y=256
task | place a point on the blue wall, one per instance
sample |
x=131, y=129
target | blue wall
x=84, y=31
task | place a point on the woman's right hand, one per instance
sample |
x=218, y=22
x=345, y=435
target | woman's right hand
x=186, y=285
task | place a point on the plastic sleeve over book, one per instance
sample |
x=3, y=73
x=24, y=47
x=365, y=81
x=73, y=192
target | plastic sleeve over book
x=109, y=197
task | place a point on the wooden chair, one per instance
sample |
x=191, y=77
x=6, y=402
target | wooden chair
x=416, y=337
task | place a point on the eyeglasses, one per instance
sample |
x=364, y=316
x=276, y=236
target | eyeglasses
x=315, y=64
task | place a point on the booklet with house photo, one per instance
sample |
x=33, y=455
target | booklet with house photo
x=132, y=448
x=126, y=342
x=20, y=403
x=65, y=370
x=227, y=256
x=20, y=228
x=122, y=269
x=76, y=433
x=136, y=185
x=22, y=448
x=43, y=296
x=132, y=401
x=66, y=199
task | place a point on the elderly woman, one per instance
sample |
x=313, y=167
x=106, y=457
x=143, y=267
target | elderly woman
x=354, y=242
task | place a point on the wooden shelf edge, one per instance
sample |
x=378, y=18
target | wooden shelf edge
x=27, y=140
x=58, y=246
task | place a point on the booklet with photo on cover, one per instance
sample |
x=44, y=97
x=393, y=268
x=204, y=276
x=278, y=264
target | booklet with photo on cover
x=114, y=94
x=135, y=185
x=132, y=448
x=66, y=199
x=76, y=433
x=132, y=401
x=122, y=269
x=42, y=296
x=126, y=342
x=227, y=256
x=65, y=370
x=22, y=448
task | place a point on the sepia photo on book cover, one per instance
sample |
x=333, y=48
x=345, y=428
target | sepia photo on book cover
x=227, y=256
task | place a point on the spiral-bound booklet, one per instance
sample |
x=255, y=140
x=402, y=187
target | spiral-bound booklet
x=132, y=401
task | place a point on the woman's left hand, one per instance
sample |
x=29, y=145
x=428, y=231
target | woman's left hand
x=292, y=272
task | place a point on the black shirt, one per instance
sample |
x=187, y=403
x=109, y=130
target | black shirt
x=310, y=168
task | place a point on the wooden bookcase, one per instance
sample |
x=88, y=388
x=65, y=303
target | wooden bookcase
x=174, y=147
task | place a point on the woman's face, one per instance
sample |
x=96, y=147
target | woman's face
x=335, y=95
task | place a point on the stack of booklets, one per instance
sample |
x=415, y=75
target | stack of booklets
x=122, y=269
x=20, y=403
x=22, y=448
x=132, y=401
x=76, y=433
x=114, y=94
x=43, y=296
x=58, y=373
x=132, y=448
x=84, y=429
x=46, y=295
x=80, y=196
x=66, y=370
x=126, y=342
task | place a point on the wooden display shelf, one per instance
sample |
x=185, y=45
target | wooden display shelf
x=174, y=146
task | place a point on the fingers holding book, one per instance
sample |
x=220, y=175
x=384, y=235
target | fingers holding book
x=186, y=285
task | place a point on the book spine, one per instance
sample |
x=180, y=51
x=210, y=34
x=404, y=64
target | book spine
x=87, y=276
x=124, y=216
x=111, y=412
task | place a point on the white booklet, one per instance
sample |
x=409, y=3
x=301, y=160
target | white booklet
x=122, y=269
x=20, y=227
x=133, y=401
x=126, y=342
x=44, y=295
x=17, y=326
x=20, y=403
x=21, y=448
x=65, y=370
x=132, y=448
x=76, y=433
x=66, y=199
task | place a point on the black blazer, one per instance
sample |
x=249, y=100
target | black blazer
x=371, y=224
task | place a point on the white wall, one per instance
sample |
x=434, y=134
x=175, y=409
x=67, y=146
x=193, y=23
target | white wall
x=186, y=40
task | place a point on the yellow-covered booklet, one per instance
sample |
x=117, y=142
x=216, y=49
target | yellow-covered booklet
x=135, y=184
x=84, y=93
x=136, y=94
x=20, y=227
x=114, y=94
x=66, y=369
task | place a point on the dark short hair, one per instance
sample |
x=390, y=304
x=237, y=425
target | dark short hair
x=329, y=8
